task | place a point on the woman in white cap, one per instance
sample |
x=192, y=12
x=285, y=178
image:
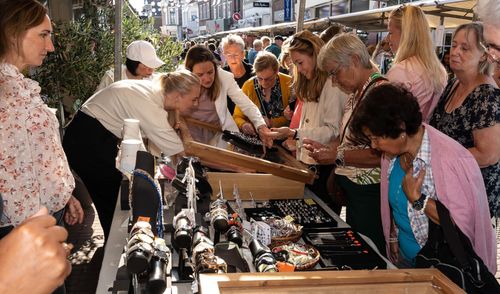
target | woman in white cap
x=92, y=137
x=140, y=64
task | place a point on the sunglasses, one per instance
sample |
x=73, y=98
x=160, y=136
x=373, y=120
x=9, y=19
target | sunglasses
x=488, y=48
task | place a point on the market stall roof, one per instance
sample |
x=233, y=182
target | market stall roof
x=451, y=12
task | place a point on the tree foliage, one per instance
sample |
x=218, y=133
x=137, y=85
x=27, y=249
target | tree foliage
x=84, y=50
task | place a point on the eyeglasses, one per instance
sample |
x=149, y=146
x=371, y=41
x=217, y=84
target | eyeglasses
x=230, y=56
x=491, y=47
x=333, y=73
x=269, y=79
x=293, y=40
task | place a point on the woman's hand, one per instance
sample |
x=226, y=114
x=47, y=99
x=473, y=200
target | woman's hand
x=290, y=145
x=74, y=212
x=35, y=256
x=266, y=135
x=248, y=129
x=412, y=185
x=323, y=154
x=394, y=253
x=283, y=132
x=287, y=113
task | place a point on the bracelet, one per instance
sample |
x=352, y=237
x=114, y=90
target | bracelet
x=425, y=203
x=393, y=240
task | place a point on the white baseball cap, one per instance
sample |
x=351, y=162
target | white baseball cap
x=145, y=53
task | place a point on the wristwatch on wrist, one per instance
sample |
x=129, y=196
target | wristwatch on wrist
x=419, y=204
x=339, y=161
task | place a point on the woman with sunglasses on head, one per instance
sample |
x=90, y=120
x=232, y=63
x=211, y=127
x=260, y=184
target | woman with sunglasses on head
x=269, y=90
x=415, y=64
x=322, y=107
x=420, y=166
x=357, y=170
x=216, y=85
x=469, y=109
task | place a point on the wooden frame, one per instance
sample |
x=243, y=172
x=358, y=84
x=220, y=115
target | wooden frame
x=262, y=186
x=416, y=281
x=213, y=156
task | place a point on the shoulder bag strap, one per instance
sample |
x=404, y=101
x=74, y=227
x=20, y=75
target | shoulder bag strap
x=451, y=236
x=375, y=78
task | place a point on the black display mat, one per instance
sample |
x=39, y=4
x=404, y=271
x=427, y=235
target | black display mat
x=342, y=249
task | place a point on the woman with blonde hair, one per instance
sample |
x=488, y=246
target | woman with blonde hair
x=323, y=104
x=415, y=65
x=92, y=137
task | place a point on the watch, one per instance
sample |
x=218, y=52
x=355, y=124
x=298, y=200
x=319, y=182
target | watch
x=339, y=161
x=419, y=204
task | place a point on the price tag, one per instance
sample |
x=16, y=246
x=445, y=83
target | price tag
x=264, y=233
x=261, y=231
x=310, y=201
x=289, y=218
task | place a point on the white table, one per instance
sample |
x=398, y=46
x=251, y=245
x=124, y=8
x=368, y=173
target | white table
x=117, y=240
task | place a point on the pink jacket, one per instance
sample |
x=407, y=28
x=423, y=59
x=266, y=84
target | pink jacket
x=460, y=187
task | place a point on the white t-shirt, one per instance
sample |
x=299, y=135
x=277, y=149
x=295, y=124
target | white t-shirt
x=139, y=99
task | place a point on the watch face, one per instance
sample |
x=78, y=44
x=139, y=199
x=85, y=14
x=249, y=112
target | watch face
x=418, y=205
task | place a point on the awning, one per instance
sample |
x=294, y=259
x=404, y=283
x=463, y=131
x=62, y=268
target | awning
x=451, y=12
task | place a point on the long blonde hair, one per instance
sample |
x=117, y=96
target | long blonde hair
x=307, y=43
x=416, y=42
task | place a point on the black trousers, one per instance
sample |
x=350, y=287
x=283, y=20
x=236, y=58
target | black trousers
x=91, y=151
x=363, y=210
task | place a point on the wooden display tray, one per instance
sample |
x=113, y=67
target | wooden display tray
x=418, y=281
x=233, y=161
x=262, y=186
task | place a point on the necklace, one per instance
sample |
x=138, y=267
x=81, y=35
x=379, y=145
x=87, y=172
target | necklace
x=156, y=185
x=408, y=162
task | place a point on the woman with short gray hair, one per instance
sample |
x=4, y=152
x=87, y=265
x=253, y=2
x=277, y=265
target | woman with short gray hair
x=357, y=172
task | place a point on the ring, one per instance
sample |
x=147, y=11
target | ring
x=67, y=247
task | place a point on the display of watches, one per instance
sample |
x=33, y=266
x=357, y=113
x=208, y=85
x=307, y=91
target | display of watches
x=419, y=204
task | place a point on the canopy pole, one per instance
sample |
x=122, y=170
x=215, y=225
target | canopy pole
x=300, y=15
x=118, y=39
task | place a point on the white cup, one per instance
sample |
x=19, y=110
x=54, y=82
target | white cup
x=128, y=154
x=131, y=129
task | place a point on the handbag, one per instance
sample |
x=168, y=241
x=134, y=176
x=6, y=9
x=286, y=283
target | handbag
x=450, y=250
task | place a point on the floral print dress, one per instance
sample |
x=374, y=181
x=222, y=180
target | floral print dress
x=480, y=109
x=34, y=171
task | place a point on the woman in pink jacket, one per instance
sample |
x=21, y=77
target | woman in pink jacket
x=420, y=166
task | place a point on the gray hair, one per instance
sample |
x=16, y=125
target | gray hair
x=257, y=43
x=489, y=11
x=341, y=48
x=233, y=39
x=485, y=67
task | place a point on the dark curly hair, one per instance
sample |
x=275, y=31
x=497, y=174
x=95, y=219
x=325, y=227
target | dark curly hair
x=387, y=111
